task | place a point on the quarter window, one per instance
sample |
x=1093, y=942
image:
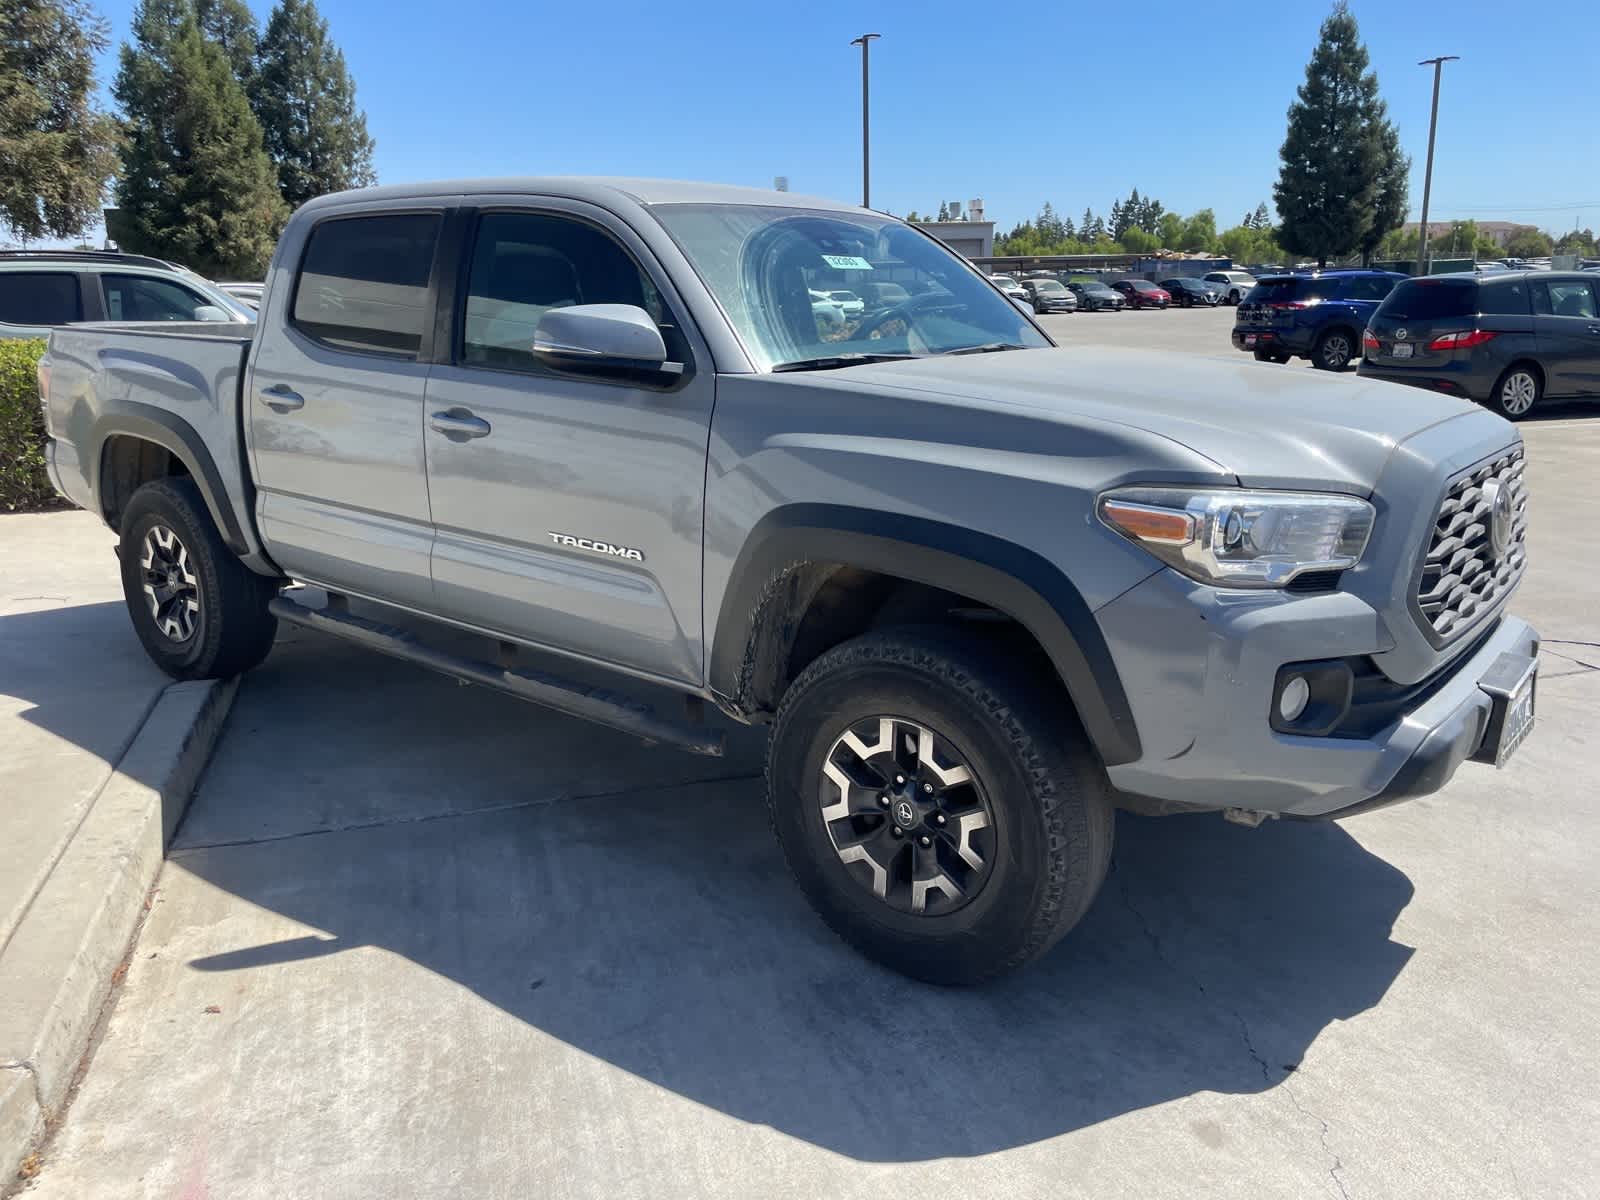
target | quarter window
x=1503, y=299
x=363, y=283
x=141, y=298
x=525, y=264
x=1374, y=287
x=1564, y=298
x=39, y=298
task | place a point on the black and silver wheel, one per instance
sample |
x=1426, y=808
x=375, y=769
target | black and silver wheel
x=943, y=814
x=198, y=610
x=1517, y=391
x=1335, y=350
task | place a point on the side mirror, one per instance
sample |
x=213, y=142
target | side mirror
x=600, y=337
x=210, y=312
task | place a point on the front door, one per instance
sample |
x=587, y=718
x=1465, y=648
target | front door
x=1566, y=322
x=335, y=405
x=567, y=507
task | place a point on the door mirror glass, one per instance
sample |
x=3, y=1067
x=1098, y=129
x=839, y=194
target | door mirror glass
x=210, y=312
x=599, y=336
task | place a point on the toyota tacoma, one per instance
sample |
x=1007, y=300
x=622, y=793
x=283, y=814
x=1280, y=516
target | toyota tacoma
x=983, y=590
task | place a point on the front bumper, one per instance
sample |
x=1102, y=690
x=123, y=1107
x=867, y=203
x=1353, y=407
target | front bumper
x=1199, y=665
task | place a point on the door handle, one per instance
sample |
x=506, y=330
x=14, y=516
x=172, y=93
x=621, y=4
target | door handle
x=458, y=424
x=283, y=398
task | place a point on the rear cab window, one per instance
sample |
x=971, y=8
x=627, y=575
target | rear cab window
x=39, y=298
x=363, y=283
x=1432, y=299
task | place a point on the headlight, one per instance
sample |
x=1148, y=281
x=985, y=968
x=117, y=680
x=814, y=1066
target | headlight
x=1234, y=537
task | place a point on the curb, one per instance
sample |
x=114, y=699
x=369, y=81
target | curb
x=58, y=968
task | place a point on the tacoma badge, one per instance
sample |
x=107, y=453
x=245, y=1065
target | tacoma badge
x=594, y=547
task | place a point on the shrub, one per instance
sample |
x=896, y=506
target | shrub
x=23, y=481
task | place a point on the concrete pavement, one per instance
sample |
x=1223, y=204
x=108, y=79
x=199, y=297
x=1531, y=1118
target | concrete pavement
x=419, y=939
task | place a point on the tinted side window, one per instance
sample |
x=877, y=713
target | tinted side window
x=1429, y=299
x=1564, y=298
x=39, y=298
x=1368, y=287
x=141, y=298
x=363, y=283
x=524, y=264
x=1504, y=299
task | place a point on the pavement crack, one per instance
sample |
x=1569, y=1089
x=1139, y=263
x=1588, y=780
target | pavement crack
x=1567, y=657
x=1158, y=947
x=447, y=815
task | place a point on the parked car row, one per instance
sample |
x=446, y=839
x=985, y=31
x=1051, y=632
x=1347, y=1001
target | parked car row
x=1046, y=293
x=1507, y=339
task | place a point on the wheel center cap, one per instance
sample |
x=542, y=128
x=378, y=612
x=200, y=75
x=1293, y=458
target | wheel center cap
x=904, y=813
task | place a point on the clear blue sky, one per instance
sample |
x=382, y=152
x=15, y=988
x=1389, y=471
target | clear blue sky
x=740, y=92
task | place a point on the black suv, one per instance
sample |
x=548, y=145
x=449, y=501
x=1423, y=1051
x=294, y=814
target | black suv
x=1318, y=316
x=1502, y=340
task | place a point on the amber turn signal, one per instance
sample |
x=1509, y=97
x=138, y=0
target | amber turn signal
x=1149, y=524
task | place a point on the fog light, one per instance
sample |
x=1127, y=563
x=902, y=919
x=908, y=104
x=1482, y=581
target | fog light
x=1293, y=699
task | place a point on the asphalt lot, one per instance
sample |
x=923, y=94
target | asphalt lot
x=417, y=939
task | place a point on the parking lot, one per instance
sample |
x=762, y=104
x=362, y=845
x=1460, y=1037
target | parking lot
x=420, y=939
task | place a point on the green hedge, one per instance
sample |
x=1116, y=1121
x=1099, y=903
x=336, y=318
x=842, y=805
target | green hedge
x=23, y=482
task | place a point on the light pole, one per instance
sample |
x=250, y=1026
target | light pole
x=865, y=40
x=1427, y=177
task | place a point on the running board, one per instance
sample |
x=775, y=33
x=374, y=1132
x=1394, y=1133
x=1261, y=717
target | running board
x=564, y=695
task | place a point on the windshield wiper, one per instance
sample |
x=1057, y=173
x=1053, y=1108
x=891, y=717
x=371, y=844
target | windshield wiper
x=830, y=361
x=986, y=348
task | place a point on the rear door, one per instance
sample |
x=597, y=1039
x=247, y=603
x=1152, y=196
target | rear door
x=335, y=402
x=1566, y=323
x=569, y=514
x=34, y=302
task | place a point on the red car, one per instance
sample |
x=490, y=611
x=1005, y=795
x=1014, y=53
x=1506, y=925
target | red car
x=1141, y=293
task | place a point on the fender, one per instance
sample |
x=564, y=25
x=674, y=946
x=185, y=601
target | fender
x=172, y=432
x=1003, y=575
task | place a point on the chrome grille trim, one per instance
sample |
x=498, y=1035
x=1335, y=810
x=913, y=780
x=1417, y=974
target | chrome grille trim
x=1460, y=579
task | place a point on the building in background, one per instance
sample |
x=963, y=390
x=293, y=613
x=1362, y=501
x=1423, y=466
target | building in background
x=1498, y=232
x=965, y=233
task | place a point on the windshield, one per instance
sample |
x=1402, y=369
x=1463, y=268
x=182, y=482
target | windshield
x=1049, y=285
x=761, y=263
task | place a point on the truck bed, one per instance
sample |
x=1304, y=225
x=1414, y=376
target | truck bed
x=183, y=377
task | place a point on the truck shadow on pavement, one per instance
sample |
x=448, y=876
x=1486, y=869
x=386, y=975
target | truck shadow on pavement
x=658, y=930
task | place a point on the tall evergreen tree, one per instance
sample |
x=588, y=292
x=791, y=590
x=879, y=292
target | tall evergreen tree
x=231, y=25
x=57, y=149
x=1334, y=155
x=1262, y=218
x=1394, y=193
x=306, y=103
x=196, y=184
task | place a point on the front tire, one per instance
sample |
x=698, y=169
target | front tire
x=943, y=814
x=198, y=610
x=1517, y=391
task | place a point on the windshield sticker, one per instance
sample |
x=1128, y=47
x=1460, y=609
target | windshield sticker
x=846, y=262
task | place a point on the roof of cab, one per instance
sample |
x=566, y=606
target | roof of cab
x=595, y=189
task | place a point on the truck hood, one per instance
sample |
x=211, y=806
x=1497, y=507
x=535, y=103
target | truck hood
x=1270, y=426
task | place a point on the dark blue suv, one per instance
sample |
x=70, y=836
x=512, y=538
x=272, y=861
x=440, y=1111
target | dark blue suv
x=1320, y=315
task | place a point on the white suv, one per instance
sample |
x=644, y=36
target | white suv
x=1233, y=285
x=40, y=289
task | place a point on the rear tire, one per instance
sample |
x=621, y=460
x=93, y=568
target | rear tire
x=1335, y=350
x=198, y=610
x=997, y=890
x=1517, y=390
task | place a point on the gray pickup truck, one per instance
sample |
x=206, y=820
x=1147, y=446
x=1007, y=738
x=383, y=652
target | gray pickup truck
x=984, y=590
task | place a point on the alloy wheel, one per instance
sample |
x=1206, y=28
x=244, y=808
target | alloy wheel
x=1335, y=351
x=171, y=588
x=907, y=815
x=1518, y=393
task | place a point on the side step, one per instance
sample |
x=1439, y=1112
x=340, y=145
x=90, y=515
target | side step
x=564, y=695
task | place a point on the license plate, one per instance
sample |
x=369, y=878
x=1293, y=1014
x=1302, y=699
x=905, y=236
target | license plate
x=1513, y=684
x=1403, y=349
x=1249, y=341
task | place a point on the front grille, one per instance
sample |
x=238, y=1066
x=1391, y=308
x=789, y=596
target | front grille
x=1462, y=577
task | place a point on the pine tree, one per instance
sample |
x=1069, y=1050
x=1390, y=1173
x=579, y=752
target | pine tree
x=1394, y=195
x=196, y=184
x=1262, y=218
x=1117, y=224
x=231, y=25
x=306, y=104
x=944, y=212
x=1334, y=155
x=57, y=149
